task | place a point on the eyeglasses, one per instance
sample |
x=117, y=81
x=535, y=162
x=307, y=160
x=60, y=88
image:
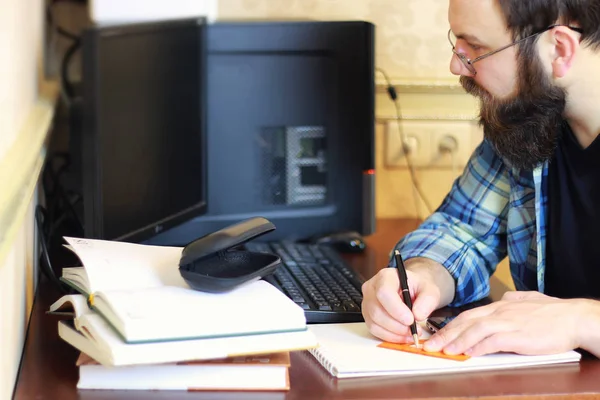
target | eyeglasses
x=468, y=63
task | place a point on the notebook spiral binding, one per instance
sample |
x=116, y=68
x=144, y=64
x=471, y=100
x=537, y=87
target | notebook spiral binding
x=321, y=357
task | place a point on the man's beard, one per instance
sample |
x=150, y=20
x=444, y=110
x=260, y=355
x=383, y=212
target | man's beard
x=524, y=130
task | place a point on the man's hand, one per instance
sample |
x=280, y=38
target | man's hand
x=386, y=315
x=522, y=322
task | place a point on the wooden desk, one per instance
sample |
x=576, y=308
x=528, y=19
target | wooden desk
x=48, y=366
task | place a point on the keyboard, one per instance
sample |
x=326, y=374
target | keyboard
x=317, y=279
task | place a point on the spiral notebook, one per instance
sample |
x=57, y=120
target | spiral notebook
x=349, y=350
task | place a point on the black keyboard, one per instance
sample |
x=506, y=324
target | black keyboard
x=317, y=279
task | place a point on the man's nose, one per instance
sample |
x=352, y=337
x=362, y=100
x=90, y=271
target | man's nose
x=457, y=67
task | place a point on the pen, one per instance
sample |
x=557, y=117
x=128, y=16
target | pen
x=406, y=293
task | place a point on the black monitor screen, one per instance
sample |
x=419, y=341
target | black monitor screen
x=144, y=118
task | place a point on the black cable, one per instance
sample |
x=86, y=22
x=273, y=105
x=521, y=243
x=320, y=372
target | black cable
x=59, y=202
x=66, y=33
x=391, y=90
x=50, y=185
x=60, y=205
x=58, y=218
x=66, y=83
x=45, y=262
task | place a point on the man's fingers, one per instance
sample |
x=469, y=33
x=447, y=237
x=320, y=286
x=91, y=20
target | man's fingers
x=463, y=332
x=458, y=326
x=523, y=323
x=518, y=341
x=465, y=337
x=385, y=314
x=384, y=310
x=387, y=294
x=502, y=341
x=377, y=315
x=388, y=336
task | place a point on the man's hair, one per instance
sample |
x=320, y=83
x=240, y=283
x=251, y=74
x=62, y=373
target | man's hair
x=525, y=17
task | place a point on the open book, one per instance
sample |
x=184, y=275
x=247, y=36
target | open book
x=349, y=350
x=261, y=372
x=138, y=289
x=91, y=334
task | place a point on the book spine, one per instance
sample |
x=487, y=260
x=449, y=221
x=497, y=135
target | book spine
x=321, y=357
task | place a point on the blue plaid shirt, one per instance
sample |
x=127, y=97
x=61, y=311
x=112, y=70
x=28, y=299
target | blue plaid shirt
x=492, y=211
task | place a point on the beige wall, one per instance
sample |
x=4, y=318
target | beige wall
x=19, y=27
x=411, y=34
x=17, y=272
x=23, y=124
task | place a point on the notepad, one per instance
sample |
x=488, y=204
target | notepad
x=349, y=350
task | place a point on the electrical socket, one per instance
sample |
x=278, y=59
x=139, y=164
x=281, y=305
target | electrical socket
x=426, y=141
x=457, y=133
x=418, y=142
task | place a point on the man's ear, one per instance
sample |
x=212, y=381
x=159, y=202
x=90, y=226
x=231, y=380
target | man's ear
x=566, y=44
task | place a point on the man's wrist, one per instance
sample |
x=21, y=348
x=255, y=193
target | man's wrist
x=588, y=325
x=436, y=273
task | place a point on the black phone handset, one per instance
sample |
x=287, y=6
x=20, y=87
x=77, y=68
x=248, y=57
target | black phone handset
x=217, y=262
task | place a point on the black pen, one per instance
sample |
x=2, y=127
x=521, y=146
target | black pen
x=406, y=293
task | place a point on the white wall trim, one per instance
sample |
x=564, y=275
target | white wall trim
x=426, y=86
x=429, y=117
x=20, y=170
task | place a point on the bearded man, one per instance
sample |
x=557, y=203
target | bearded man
x=531, y=190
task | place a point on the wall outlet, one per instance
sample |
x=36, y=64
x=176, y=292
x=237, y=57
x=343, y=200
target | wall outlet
x=451, y=144
x=417, y=141
x=431, y=144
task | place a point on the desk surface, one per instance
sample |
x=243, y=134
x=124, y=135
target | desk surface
x=48, y=366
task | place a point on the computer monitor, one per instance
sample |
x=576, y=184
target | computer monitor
x=291, y=119
x=143, y=135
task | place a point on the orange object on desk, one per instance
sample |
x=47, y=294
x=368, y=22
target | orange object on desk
x=410, y=348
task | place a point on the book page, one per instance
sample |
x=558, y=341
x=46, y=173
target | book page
x=170, y=313
x=76, y=277
x=76, y=302
x=112, y=265
x=73, y=305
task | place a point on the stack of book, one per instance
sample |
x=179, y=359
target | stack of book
x=139, y=325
